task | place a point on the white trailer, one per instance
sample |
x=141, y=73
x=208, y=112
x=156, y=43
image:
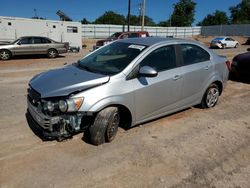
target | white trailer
x=12, y=28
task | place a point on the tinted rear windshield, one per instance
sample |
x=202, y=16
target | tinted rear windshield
x=111, y=59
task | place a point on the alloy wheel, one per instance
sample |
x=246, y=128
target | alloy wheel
x=212, y=97
x=4, y=55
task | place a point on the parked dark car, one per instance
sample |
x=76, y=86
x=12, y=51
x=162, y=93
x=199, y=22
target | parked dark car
x=32, y=45
x=120, y=35
x=241, y=66
x=248, y=41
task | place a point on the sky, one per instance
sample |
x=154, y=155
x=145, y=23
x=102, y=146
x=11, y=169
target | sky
x=159, y=10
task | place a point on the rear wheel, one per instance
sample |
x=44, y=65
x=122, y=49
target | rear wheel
x=223, y=46
x=211, y=96
x=52, y=53
x=5, y=55
x=105, y=126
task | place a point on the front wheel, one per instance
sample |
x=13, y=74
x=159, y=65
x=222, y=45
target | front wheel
x=105, y=126
x=5, y=55
x=52, y=53
x=211, y=96
x=236, y=45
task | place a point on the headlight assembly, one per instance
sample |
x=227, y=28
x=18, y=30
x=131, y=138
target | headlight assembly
x=74, y=104
x=234, y=63
x=68, y=105
x=50, y=106
x=63, y=105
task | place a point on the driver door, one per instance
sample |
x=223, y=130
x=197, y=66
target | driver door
x=154, y=96
x=23, y=46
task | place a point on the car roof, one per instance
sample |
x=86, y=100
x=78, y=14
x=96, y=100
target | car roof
x=34, y=36
x=132, y=32
x=150, y=41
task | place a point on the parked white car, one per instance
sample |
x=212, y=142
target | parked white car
x=224, y=42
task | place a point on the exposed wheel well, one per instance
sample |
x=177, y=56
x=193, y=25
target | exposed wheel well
x=52, y=49
x=220, y=85
x=125, y=116
x=6, y=50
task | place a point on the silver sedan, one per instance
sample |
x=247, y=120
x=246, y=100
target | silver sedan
x=125, y=83
x=32, y=45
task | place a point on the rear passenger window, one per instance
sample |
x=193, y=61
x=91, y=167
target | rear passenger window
x=45, y=41
x=37, y=40
x=161, y=59
x=193, y=54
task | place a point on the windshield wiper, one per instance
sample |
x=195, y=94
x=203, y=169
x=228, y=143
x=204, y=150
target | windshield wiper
x=87, y=68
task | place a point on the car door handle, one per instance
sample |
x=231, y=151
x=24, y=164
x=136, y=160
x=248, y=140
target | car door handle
x=206, y=67
x=177, y=77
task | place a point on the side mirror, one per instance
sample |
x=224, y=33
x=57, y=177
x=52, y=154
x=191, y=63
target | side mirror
x=147, y=71
x=19, y=43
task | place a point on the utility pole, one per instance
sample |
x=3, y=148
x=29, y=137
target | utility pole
x=35, y=12
x=128, y=15
x=143, y=15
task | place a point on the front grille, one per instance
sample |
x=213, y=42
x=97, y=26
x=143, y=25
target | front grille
x=41, y=119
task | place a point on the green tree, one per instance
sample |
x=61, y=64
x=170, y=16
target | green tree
x=85, y=21
x=149, y=21
x=164, y=23
x=240, y=14
x=217, y=18
x=111, y=17
x=183, y=14
x=135, y=20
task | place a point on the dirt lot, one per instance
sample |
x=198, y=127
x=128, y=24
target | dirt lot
x=192, y=148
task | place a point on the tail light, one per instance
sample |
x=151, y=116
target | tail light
x=228, y=63
x=66, y=45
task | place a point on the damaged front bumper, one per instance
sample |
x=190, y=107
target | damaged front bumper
x=56, y=127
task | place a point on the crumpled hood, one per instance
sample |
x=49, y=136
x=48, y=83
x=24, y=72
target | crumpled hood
x=66, y=80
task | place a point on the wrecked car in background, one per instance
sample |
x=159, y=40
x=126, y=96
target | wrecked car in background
x=224, y=42
x=125, y=83
x=120, y=35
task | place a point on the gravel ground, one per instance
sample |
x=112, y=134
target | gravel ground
x=192, y=148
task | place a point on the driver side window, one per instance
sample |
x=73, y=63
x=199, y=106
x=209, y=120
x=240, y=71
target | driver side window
x=161, y=59
x=26, y=40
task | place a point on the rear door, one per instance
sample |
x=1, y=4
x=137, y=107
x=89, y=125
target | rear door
x=197, y=69
x=40, y=45
x=229, y=42
x=157, y=95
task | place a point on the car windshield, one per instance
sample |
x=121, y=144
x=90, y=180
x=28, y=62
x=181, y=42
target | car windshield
x=15, y=41
x=115, y=36
x=216, y=39
x=112, y=58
